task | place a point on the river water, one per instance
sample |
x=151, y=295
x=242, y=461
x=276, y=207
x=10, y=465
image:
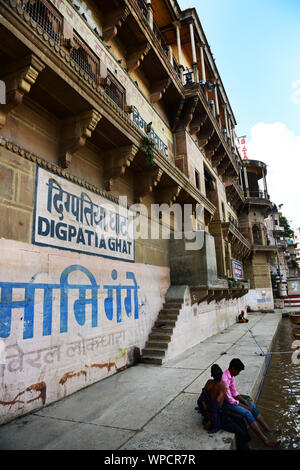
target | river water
x=279, y=399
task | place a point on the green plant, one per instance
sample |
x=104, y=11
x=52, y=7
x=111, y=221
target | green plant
x=288, y=232
x=148, y=146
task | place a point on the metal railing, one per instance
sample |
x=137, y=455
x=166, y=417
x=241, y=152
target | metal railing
x=159, y=36
x=86, y=61
x=44, y=16
x=143, y=8
x=188, y=78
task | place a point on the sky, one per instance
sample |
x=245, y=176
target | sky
x=256, y=46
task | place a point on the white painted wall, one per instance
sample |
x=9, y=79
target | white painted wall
x=260, y=299
x=197, y=322
x=38, y=370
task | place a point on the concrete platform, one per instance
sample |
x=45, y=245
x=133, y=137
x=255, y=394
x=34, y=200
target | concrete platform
x=147, y=406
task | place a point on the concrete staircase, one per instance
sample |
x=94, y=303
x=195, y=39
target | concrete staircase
x=161, y=333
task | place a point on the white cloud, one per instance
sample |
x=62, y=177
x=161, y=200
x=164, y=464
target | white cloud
x=279, y=148
x=296, y=93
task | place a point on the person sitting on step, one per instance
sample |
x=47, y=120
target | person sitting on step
x=237, y=404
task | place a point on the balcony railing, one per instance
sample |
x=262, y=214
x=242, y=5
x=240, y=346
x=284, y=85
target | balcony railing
x=115, y=93
x=176, y=68
x=143, y=8
x=159, y=36
x=188, y=78
x=45, y=16
x=85, y=59
x=258, y=195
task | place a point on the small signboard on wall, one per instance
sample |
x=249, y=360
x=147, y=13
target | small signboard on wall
x=237, y=268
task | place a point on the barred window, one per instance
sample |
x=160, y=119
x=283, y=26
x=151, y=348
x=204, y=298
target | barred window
x=84, y=57
x=45, y=16
x=115, y=91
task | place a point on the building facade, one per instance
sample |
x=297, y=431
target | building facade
x=115, y=128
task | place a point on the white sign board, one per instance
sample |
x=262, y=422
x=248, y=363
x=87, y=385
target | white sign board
x=70, y=217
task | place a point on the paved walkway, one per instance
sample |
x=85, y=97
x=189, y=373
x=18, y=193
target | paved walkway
x=147, y=406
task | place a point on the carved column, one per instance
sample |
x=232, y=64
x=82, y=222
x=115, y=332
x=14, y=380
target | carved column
x=18, y=78
x=74, y=132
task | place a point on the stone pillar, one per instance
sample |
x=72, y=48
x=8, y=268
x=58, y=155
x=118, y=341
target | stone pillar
x=177, y=26
x=265, y=184
x=217, y=101
x=226, y=122
x=203, y=73
x=246, y=182
x=230, y=131
x=150, y=14
x=194, y=55
x=171, y=55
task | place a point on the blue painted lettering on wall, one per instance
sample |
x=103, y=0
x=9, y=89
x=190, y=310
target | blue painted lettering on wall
x=7, y=304
x=139, y=121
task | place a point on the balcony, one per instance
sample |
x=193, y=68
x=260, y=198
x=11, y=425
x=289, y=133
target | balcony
x=260, y=200
x=234, y=194
x=240, y=246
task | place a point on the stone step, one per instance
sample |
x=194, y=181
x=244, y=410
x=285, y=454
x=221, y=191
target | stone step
x=153, y=352
x=152, y=360
x=173, y=305
x=160, y=337
x=167, y=316
x=165, y=330
x=167, y=323
x=169, y=312
x=158, y=343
